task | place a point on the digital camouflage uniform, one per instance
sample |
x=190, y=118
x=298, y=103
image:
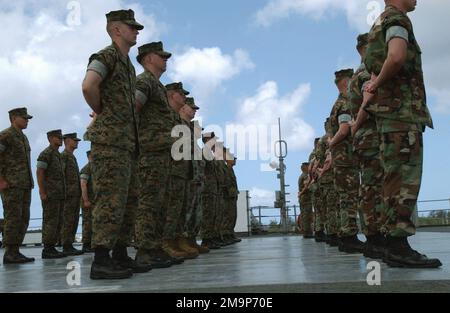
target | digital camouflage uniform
x=328, y=191
x=114, y=149
x=401, y=116
x=16, y=170
x=346, y=179
x=155, y=125
x=209, y=197
x=366, y=148
x=54, y=185
x=221, y=198
x=71, y=209
x=180, y=175
x=231, y=196
x=195, y=187
x=86, y=175
x=305, y=201
x=319, y=217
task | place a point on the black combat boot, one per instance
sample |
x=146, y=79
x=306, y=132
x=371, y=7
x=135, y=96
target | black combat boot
x=211, y=244
x=12, y=255
x=153, y=258
x=400, y=254
x=375, y=246
x=120, y=256
x=69, y=250
x=333, y=240
x=351, y=244
x=49, y=252
x=319, y=236
x=104, y=267
x=87, y=248
x=235, y=238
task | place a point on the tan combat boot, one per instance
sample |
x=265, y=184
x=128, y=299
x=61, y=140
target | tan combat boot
x=185, y=246
x=172, y=249
x=201, y=249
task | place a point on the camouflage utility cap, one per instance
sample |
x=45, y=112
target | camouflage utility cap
x=363, y=40
x=191, y=103
x=340, y=75
x=153, y=47
x=55, y=133
x=71, y=136
x=22, y=112
x=124, y=16
x=177, y=87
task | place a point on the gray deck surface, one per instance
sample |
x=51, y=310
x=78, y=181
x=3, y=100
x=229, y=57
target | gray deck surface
x=257, y=264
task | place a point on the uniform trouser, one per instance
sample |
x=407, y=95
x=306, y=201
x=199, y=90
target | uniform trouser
x=16, y=210
x=219, y=214
x=71, y=218
x=176, y=208
x=151, y=215
x=371, y=203
x=116, y=199
x=52, y=212
x=319, y=216
x=194, y=209
x=60, y=226
x=229, y=216
x=346, y=182
x=87, y=224
x=209, y=199
x=402, y=161
x=306, y=213
x=330, y=207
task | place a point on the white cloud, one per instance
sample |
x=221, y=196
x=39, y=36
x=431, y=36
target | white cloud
x=357, y=11
x=267, y=105
x=206, y=69
x=432, y=37
x=261, y=197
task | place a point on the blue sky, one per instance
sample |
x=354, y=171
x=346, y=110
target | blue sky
x=253, y=62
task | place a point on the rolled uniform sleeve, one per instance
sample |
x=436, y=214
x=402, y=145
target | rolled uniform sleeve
x=43, y=160
x=85, y=176
x=99, y=68
x=141, y=97
x=143, y=91
x=344, y=118
x=397, y=32
x=102, y=63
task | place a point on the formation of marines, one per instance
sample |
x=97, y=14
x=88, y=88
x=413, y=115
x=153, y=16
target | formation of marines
x=148, y=183
x=134, y=191
x=369, y=161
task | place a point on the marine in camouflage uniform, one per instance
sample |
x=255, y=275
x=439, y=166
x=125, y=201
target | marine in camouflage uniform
x=401, y=116
x=50, y=173
x=366, y=148
x=71, y=209
x=221, y=193
x=195, y=186
x=328, y=191
x=346, y=178
x=156, y=120
x=180, y=175
x=87, y=203
x=231, y=197
x=114, y=148
x=314, y=187
x=305, y=202
x=210, y=194
x=16, y=183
